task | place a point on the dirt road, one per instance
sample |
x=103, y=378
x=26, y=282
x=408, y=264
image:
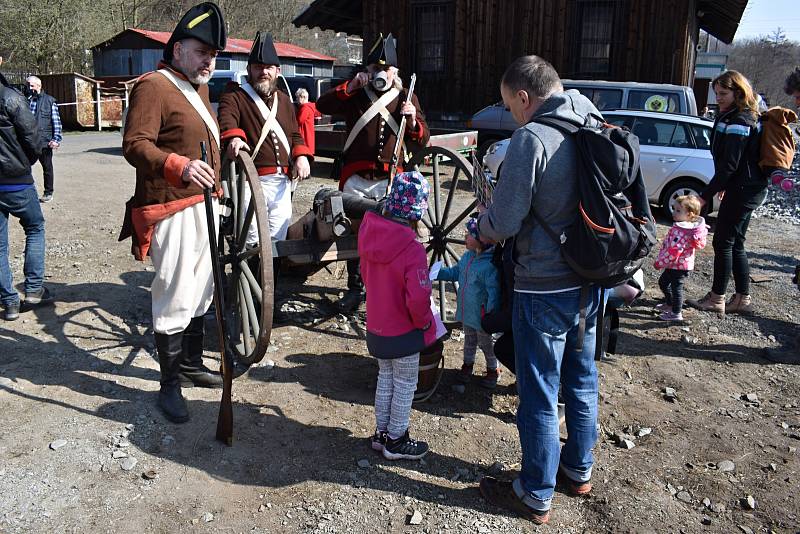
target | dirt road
x=84, y=449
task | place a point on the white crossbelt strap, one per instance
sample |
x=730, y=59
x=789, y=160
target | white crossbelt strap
x=270, y=121
x=194, y=99
x=378, y=107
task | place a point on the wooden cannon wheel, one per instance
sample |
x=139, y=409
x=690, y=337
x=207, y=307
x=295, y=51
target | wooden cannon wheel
x=249, y=291
x=448, y=209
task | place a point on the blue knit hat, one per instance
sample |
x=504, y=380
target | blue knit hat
x=472, y=228
x=408, y=198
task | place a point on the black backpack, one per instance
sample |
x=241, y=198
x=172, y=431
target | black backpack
x=614, y=231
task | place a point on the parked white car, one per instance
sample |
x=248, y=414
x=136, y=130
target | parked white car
x=675, y=153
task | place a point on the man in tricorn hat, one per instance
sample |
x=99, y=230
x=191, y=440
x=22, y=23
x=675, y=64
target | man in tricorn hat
x=260, y=119
x=168, y=119
x=372, y=104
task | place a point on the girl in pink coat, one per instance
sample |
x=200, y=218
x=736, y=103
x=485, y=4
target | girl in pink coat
x=394, y=267
x=676, y=256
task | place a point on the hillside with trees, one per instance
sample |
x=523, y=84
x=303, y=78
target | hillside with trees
x=56, y=36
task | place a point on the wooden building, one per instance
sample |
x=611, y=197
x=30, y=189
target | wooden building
x=460, y=48
x=134, y=52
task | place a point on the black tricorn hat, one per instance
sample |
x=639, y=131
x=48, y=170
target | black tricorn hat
x=383, y=52
x=263, y=51
x=203, y=22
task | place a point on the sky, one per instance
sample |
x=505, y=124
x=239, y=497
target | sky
x=762, y=17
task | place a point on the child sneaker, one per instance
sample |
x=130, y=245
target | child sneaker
x=663, y=307
x=378, y=440
x=465, y=374
x=670, y=316
x=490, y=380
x=404, y=448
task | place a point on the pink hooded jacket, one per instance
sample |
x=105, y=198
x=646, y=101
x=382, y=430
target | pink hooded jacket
x=395, y=271
x=677, y=250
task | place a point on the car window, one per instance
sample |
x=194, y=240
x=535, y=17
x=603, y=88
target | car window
x=601, y=98
x=654, y=101
x=681, y=138
x=615, y=120
x=702, y=136
x=653, y=131
x=607, y=99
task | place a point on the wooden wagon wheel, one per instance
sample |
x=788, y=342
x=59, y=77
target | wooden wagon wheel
x=249, y=292
x=445, y=213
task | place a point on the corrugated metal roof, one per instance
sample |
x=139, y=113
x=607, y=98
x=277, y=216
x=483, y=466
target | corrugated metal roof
x=721, y=18
x=234, y=46
x=336, y=15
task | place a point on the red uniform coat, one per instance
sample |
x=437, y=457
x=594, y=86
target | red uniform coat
x=372, y=149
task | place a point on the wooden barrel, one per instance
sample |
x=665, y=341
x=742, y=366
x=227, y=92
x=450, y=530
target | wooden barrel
x=431, y=368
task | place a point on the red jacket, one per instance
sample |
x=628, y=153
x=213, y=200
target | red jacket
x=305, y=123
x=395, y=271
x=677, y=250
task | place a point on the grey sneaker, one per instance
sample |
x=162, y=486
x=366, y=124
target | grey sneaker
x=11, y=312
x=38, y=297
x=47, y=197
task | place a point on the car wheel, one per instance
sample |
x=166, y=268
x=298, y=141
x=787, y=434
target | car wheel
x=677, y=189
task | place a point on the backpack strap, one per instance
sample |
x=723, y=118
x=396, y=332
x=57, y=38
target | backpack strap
x=564, y=126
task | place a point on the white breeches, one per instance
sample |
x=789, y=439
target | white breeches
x=372, y=189
x=277, y=189
x=183, y=286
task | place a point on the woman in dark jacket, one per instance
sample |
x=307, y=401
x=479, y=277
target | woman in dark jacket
x=741, y=187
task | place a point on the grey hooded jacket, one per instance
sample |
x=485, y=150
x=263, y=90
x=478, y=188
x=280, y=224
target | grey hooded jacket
x=540, y=172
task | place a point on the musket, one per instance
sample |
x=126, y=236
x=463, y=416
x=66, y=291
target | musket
x=401, y=131
x=225, y=419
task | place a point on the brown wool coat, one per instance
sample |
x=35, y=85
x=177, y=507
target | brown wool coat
x=162, y=134
x=239, y=117
x=373, y=147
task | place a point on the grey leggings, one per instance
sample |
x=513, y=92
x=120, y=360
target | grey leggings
x=397, y=381
x=474, y=338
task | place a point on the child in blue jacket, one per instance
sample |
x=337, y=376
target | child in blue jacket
x=478, y=293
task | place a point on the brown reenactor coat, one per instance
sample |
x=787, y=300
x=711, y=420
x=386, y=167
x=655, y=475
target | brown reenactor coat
x=240, y=117
x=162, y=134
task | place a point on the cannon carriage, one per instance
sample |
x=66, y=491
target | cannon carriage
x=327, y=233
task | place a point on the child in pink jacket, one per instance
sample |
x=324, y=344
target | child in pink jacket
x=676, y=256
x=394, y=267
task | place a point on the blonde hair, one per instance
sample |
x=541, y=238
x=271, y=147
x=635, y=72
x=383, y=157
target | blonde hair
x=743, y=95
x=691, y=203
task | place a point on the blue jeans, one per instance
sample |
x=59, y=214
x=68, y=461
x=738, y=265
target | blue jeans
x=25, y=206
x=545, y=343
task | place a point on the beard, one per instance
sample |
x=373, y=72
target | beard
x=266, y=87
x=199, y=79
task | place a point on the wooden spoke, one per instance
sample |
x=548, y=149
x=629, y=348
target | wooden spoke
x=248, y=267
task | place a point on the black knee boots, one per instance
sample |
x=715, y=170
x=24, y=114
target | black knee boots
x=192, y=370
x=354, y=296
x=170, y=355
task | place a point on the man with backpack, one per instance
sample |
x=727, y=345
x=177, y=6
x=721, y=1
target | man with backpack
x=564, y=193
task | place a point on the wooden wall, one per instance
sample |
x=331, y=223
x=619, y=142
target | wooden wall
x=656, y=40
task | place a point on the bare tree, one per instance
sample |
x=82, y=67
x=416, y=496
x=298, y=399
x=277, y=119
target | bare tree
x=766, y=61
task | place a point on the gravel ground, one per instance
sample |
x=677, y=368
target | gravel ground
x=84, y=449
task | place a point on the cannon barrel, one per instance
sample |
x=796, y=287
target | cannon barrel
x=354, y=205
